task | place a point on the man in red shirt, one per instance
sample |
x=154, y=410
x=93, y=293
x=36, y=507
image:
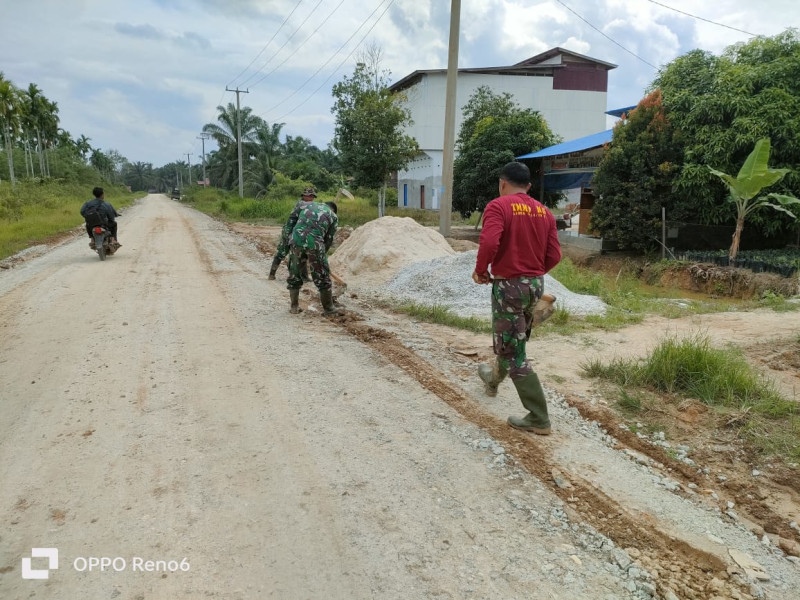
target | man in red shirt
x=520, y=241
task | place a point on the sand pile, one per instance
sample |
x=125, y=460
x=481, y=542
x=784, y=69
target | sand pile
x=377, y=250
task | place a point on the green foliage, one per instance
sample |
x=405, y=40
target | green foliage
x=713, y=110
x=369, y=123
x=754, y=176
x=719, y=108
x=443, y=316
x=34, y=211
x=495, y=131
x=693, y=368
x=634, y=178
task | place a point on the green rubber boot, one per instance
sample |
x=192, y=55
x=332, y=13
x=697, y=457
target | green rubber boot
x=532, y=396
x=491, y=375
x=294, y=296
x=326, y=299
x=276, y=262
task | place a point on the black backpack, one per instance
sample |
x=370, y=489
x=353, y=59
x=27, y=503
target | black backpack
x=94, y=216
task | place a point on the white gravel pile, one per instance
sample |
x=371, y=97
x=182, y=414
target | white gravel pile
x=447, y=281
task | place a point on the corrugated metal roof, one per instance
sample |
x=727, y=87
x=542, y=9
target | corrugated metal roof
x=590, y=141
x=618, y=112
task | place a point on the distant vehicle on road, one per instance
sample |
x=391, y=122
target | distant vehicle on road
x=175, y=194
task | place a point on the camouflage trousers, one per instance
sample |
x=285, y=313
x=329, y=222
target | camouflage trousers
x=317, y=262
x=512, y=314
x=282, y=251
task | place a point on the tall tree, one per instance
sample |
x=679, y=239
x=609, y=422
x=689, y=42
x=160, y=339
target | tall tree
x=10, y=112
x=483, y=103
x=224, y=132
x=495, y=130
x=635, y=177
x=721, y=106
x=369, y=127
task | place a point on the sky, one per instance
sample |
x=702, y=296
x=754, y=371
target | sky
x=143, y=76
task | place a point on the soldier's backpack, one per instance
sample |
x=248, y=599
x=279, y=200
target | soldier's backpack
x=94, y=216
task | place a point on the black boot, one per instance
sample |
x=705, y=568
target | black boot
x=326, y=299
x=276, y=262
x=294, y=296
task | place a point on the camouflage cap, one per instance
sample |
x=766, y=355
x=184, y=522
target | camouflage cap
x=309, y=191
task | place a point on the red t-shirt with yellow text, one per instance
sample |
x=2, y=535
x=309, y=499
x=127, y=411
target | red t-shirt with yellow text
x=519, y=238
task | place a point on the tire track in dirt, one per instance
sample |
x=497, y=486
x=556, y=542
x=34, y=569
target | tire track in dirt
x=754, y=508
x=697, y=568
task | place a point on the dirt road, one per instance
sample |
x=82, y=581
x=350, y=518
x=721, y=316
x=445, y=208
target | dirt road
x=163, y=405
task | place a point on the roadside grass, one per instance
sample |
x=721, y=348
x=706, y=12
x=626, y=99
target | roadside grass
x=719, y=377
x=33, y=212
x=275, y=210
x=441, y=315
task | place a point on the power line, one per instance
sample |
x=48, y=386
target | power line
x=313, y=10
x=325, y=64
x=299, y=2
x=323, y=22
x=605, y=36
x=339, y=66
x=702, y=19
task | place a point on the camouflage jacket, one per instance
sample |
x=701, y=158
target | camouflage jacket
x=286, y=232
x=315, y=228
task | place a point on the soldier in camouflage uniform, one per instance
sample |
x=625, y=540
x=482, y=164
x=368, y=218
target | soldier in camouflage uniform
x=520, y=241
x=282, y=251
x=311, y=239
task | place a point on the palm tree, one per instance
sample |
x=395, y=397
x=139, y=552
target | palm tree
x=10, y=112
x=224, y=133
x=82, y=145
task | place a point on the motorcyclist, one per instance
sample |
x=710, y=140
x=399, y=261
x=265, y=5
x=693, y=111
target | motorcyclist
x=106, y=212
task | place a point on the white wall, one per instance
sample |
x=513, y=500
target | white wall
x=425, y=170
x=570, y=114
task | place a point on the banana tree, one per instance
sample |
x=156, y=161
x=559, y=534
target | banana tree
x=753, y=177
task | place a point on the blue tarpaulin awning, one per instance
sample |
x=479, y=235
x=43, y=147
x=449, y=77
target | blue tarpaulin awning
x=566, y=181
x=590, y=141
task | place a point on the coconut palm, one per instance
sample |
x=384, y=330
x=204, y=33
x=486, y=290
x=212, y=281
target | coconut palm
x=10, y=113
x=224, y=132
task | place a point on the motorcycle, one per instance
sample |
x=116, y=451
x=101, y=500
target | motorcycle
x=103, y=243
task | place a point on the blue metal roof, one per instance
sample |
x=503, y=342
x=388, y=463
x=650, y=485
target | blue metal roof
x=590, y=141
x=618, y=112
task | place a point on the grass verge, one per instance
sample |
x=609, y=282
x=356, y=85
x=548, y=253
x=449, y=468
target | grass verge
x=33, y=212
x=275, y=210
x=720, y=378
x=441, y=315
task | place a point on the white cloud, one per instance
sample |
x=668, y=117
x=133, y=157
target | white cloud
x=143, y=77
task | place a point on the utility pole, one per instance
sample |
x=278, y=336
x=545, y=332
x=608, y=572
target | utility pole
x=239, y=136
x=204, y=137
x=448, y=155
x=189, y=160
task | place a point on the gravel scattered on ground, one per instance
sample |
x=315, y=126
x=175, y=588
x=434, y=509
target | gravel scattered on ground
x=447, y=281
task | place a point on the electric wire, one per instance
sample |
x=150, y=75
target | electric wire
x=702, y=19
x=325, y=64
x=323, y=22
x=339, y=66
x=299, y=2
x=313, y=10
x=606, y=36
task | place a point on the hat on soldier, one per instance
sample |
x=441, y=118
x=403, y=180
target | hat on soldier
x=309, y=191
